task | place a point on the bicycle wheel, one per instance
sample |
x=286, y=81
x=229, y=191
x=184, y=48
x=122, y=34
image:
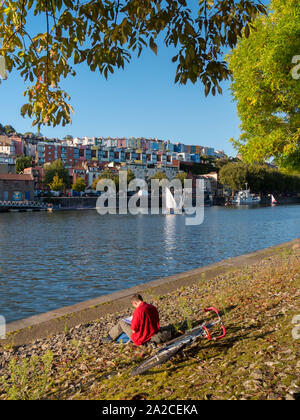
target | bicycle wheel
x=173, y=347
x=160, y=357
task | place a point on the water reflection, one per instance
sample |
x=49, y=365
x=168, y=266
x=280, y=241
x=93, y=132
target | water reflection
x=169, y=232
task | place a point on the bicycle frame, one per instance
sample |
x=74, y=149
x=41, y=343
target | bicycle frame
x=204, y=328
x=176, y=345
x=197, y=332
x=219, y=321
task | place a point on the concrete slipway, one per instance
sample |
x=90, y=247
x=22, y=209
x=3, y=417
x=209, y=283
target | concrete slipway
x=27, y=330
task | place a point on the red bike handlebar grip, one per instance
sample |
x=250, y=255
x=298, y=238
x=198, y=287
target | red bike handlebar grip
x=224, y=333
x=211, y=308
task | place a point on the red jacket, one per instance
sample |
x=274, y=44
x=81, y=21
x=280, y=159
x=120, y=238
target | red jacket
x=145, y=323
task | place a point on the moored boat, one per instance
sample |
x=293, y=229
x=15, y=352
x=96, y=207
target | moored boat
x=273, y=200
x=244, y=197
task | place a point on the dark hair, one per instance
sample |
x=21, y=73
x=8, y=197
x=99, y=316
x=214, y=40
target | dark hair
x=136, y=296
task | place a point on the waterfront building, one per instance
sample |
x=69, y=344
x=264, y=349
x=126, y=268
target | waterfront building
x=212, y=187
x=16, y=187
x=37, y=174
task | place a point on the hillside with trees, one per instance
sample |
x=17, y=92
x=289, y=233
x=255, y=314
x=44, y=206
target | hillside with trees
x=260, y=178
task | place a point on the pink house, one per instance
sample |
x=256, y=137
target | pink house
x=121, y=143
x=19, y=145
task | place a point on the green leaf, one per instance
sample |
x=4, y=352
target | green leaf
x=207, y=88
x=153, y=46
x=247, y=31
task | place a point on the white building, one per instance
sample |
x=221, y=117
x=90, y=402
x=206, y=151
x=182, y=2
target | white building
x=144, y=171
x=77, y=141
x=184, y=157
x=7, y=147
x=220, y=154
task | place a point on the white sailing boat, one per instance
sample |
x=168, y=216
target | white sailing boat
x=273, y=200
x=171, y=206
x=180, y=206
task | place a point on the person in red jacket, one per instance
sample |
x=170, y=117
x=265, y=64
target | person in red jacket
x=144, y=323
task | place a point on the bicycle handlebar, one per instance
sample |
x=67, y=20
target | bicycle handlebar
x=212, y=308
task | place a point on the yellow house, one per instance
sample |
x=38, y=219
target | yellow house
x=139, y=153
x=161, y=146
x=95, y=151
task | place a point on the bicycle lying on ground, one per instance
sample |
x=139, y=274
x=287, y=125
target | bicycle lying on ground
x=174, y=346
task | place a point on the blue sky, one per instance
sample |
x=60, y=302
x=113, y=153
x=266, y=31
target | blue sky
x=141, y=101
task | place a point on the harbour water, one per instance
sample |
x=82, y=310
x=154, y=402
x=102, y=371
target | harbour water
x=50, y=260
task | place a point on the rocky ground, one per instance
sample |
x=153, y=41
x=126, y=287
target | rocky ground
x=258, y=359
